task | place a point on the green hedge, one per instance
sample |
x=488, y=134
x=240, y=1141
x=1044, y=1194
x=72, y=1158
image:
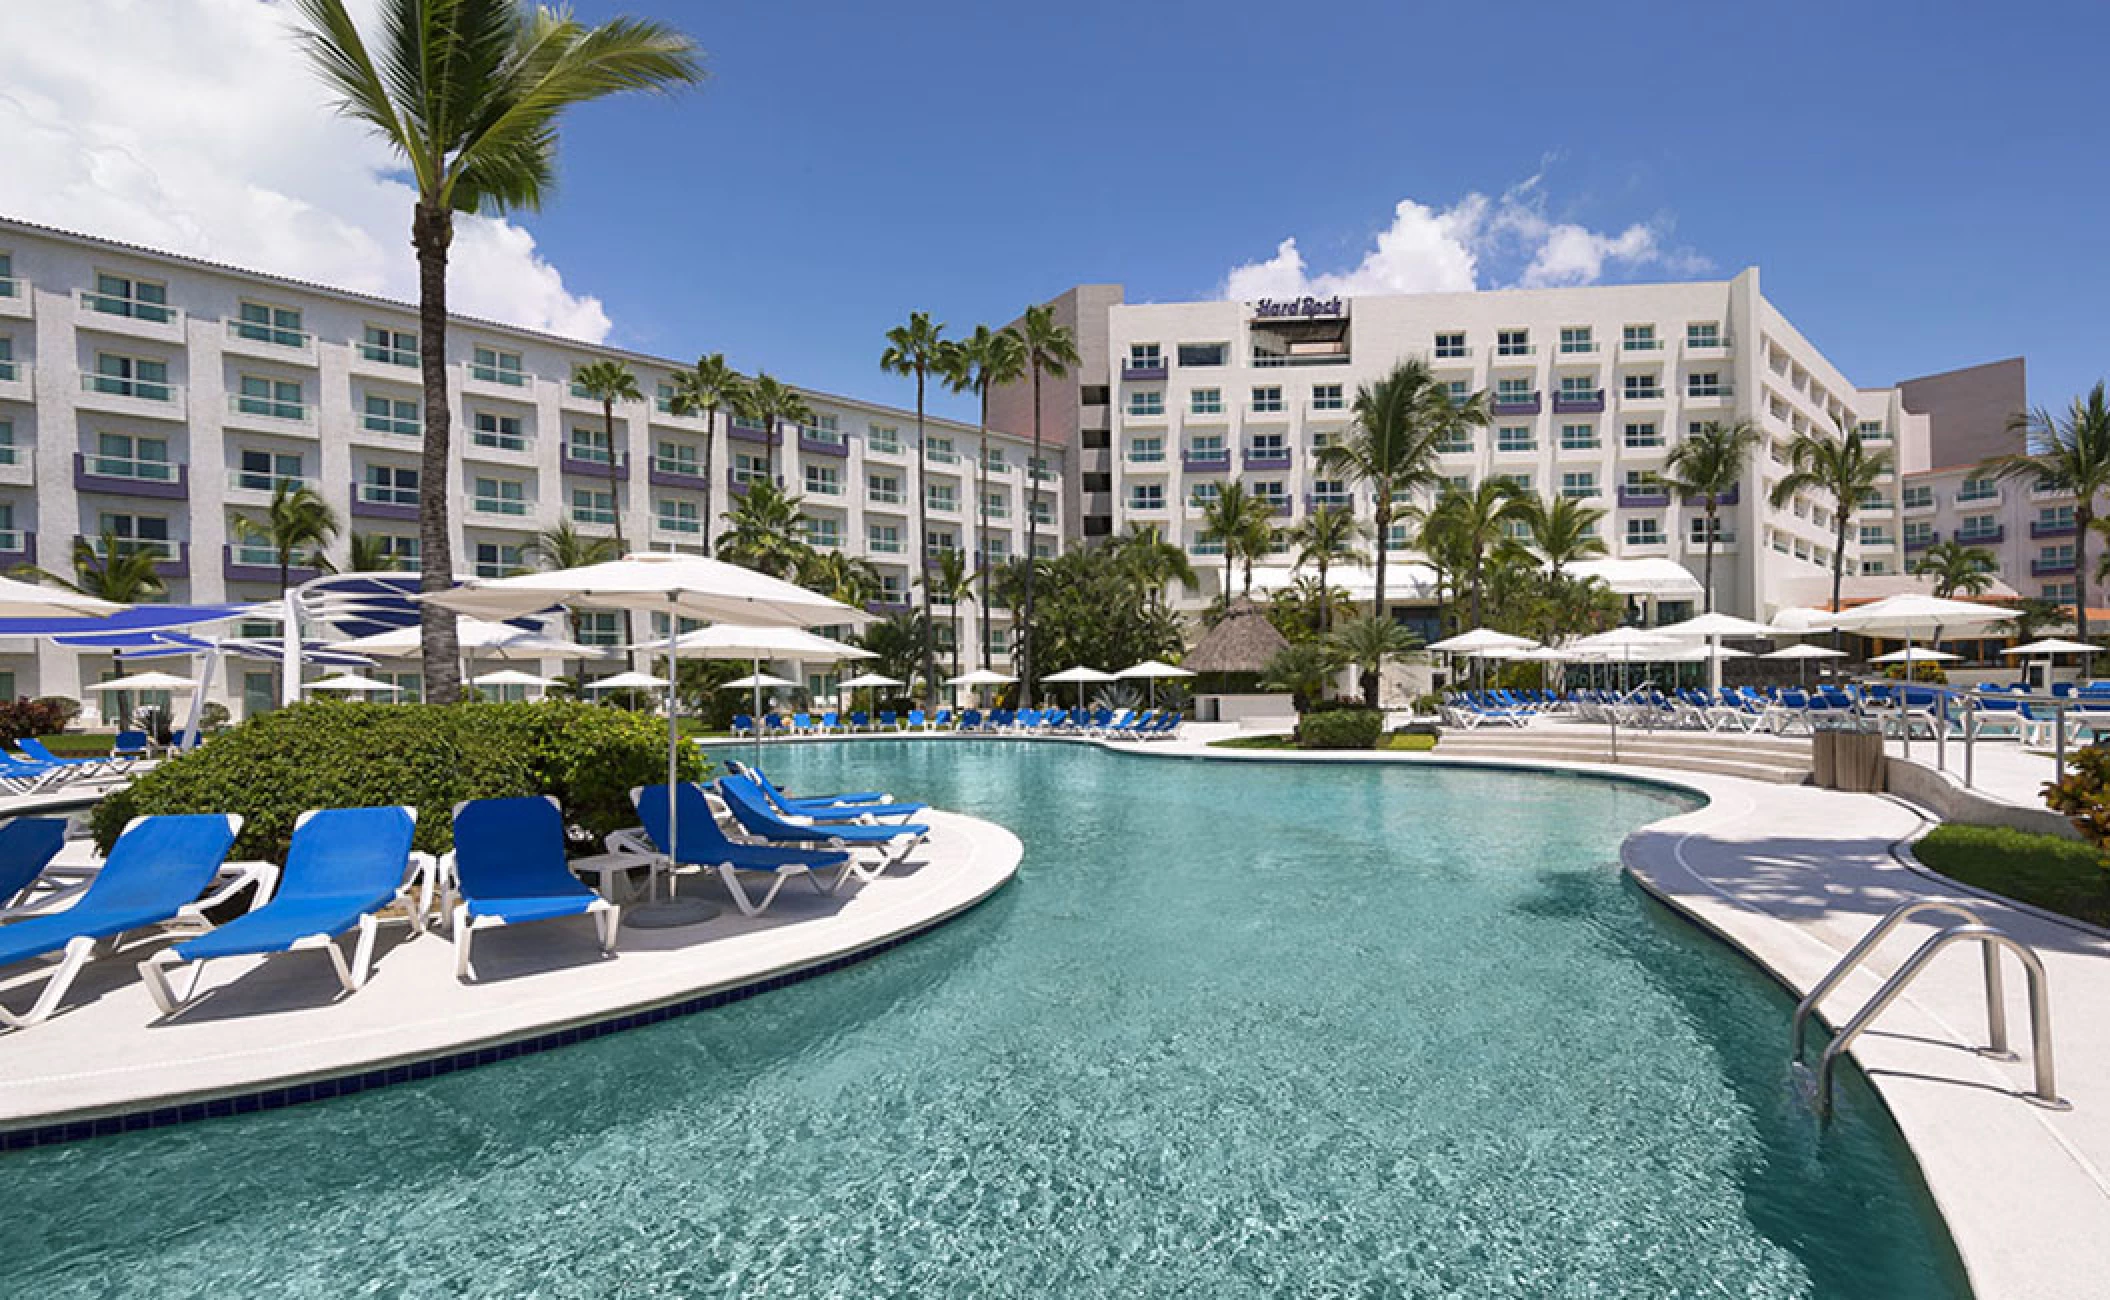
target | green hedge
x=345, y=755
x=1341, y=729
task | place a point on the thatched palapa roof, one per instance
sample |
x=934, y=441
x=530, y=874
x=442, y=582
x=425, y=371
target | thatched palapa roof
x=1242, y=642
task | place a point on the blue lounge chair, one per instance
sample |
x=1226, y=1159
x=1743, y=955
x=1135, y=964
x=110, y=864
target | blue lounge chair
x=131, y=744
x=916, y=721
x=508, y=868
x=743, y=725
x=36, y=751
x=831, y=721
x=889, y=720
x=344, y=866
x=860, y=720
x=703, y=844
x=750, y=807
x=865, y=805
x=27, y=846
x=154, y=874
x=943, y=720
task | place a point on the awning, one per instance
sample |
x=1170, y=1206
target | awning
x=137, y=618
x=1405, y=580
x=1654, y=576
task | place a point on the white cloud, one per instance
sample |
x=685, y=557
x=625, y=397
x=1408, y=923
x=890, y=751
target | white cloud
x=1463, y=247
x=196, y=127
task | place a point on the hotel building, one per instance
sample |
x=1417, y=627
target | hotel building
x=155, y=398
x=1591, y=388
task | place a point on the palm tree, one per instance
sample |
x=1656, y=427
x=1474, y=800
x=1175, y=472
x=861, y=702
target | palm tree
x=840, y=577
x=1842, y=468
x=369, y=553
x=1563, y=530
x=115, y=569
x=1153, y=562
x=918, y=348
x=1051, y=349
x=984, y=360
x=1470, y=526
x=1245, y=523
x=1708, y=464
x=1304, y=669
x=2071, y=453
x=766, y=531
x=1367, y=642
x=469, y=93
x=1401, y=424
x=772, y=403
x=1328, y=536
x=609, y=381
x=1955, y=567
x=951, y=582
x=710, y=387
x=297, y=517
x=562, y=546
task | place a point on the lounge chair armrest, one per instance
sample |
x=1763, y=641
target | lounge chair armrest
x=632, y=840
x=238, y=876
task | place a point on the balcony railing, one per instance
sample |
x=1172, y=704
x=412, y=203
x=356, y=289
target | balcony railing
x=1641, y=345
x=1265, y=458
x=1329, y=500
x=942, y=505
x=883, y=545
x=1706, y=391
x=249, y=480
x=1573, y=403
x=884, y=497
x=821, y=487
x=1578, y=347
x=1145, y=370
x=1515, y=351
x=2050, y=568
x=1919, y=503
x=1144, y=412
x=1982, y=494
x=269, y=408
x=1921, y=541
x=1734, y=495
x=504, y=376
x=517, y=443
x=140, y=309
x=257, y=332
x=1983, y=537
x=391, y=425
x=381, y=501
x=124, y=476
x=666, y=471
x=821, y=445
x=1277, y=505
x=1267, y=361
x=245, y=563
x=1650, y=394
x=171, y=559
x=1643, y=498
x=1146, y=455
x=1516, y=404
x=1205, y=461
x=515, y=507
x=18, y=547
x=382, y=356
x=145, y=390
x=1146, y=505
x=589, y=462
x=678, y=524
x=2052, y=528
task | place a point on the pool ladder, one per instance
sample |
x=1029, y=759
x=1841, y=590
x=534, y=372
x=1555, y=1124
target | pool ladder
x=1970, y=928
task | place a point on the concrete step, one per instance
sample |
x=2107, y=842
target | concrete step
x=1717, y=764
x=1791, y=750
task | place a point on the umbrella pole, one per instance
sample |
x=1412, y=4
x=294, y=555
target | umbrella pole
x=673, y=738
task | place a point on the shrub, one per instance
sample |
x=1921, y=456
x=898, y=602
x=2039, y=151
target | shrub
x=1341, y=729
x=213, y=716
x=346, y=755
x=67, y=709
x=2083, y=794
x=27, y=717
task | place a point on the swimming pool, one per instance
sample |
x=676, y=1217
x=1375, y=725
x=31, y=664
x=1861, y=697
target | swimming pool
x=1236, y=1030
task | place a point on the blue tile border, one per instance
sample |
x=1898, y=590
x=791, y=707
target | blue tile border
x=433, y=1067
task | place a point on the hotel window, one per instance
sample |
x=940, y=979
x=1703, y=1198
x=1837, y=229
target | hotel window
x=1146, y=402
x=1644, y=482
x=1145, y=356
x=1459, y=391
x=134, y=533
x=499, y=432
x=1579, y=485
x=499, y=496
x=592, y=506
x=1639, y=338
x=1330, y=492
x=1644, y=531
x=122, y=376
x=2054, y=519
x=122, y=295
x=999, y=550
x=1578, y=388
x=1146, y=496
x=390, y=485
x=263, y=471
x=589, y=445
x=1454, y=441
x=1399, y=536
x=939, y=451
x=1451, y=483
x=1267, y=398
x=1643, y=387
x=1268, y=446
x=942, y=496
x=1512, y=343
x=1875, y=535
x=749, y=467
x=1515, y=437
x=394, y=416
x=824, y=531
x=9, y=453
x=389, y=347
x=9, y=287
x=1451, y=346
x=494, y=366
x=7, y=357
x=939, y=542
x=824, y=481
x=598, y=627
x=1918, y=532
x=1703, y=334
x=1000, y=640
x=1203, y=495
x=125, y=455
x=1576, y=340
x=496, y=559
x=680, y=517
x=1273, y=491
x=883, y=539
x=2053, y=557
x=2059, y=591
x=1874, y=568
x=1578, y=437
x=1979, y=488
x=1203, y=354
x=1146, y=451
x=663, y=397
x=1327, y=397
x=1206, y=401
x=1516, y=530
x=1977, y=528
x=1206, y=543
x=893, y=588
x=883, y=437
x=395, y=546
x=1321, y=441
x=1705, y=383
x=677, y=458
x=261, y=322
x=996, y=505
x=1872, y=431
x=1697, y=530
x=993, y=460
x=885, y=489
x=1206, y=446
x=279, y=399
x=823, y=429
x=1513, y=391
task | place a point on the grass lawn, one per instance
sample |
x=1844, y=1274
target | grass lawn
x=1404, y=744
x=79, y=744
x=2058, y=875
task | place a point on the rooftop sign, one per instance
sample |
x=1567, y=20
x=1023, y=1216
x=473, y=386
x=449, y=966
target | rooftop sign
x=1300, y=308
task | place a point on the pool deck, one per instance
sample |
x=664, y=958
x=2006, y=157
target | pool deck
x=265, y=1032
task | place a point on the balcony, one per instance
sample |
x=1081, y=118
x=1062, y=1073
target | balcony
x=17, y=548
x=1734, y=495
x=376, y=361
x=1516, y=354
x=823, y=445
x=146, y=398
x=888, y=498
x=2050, y=568
x=1143, y=414
x=173, y=558
x=503, y=507
x=1265, y=458
x=1920, y=541
x=378, y=501
x=662, y=472
x=268, y=342
x=15, y=300
x=1512, y=404
x=942, y=505
x=1579, y=404
x=2043, y=528
x=677, y=526
x=1978, y=498
x=1583, y=351
x=1642, y=394
x=252, y=487
x=18, y=465
x=1274, y=361
x=118, y=476
x=266, y=415
x=1451, y=356
x=502, y=448
x=744, y=432
x=1146, y=505
x=1706, y=346
x=495, y=381
x=1643, y=498
x=1914, y=505
x=1205, y=462
x=1709, y=392
x=1984, y=536
x=1146, y=371
x=823, y=487
x=259, y=564
x=588, y=463
x=1279, y=506
x=1329, y=500
x=17, y=382
x=131, y=317
x=737, y=480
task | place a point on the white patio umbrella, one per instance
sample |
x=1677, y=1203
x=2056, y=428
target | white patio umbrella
x=1919, y=655
x=1714, y=626
x=146, y=682
x=1916, y=616
x=1082, y=676
x=677, y=586
x=1804, y=653
x=1799, y=620
x=2049, y=649
x=1150, y=670
x=980, y=677
x=20, y=599
x=479, y=639
x=759, y=681
x=1483, y=643
x=756, y=644
x=627, y=682
x=511, y=677
x=351, y=684
x=873, y=680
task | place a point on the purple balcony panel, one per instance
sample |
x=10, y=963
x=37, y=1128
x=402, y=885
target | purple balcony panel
x=675, y=479
x=1205, y=463
x=1320, y=500
x=235, y=571
x=742, y=433
x=2049, y=568
x=2038, y=528
x=1144, y=372
x=365, y=509
x=1992, y=537
x=174, y=489
x=1729, y=498
x=1642, y=498
x=1921, y=543
x=822, y=447
x=26, y=553
x=1518, y=406
x=1592, y=405
x=592, y=468
x=1281, y=505
x=1267, y=460
x=884, y=607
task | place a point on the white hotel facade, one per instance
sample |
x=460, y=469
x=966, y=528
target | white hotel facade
x=1591, y=389
x=155, y=398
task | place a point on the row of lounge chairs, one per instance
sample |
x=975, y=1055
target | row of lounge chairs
x=346, y=867
x=1989, y=712
x=1467, y=710
x=32, y=768
x=1138, y=724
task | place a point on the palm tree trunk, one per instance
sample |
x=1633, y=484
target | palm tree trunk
x=710, y=434
x=1709, y=583
x=1022, y=633
x=2084, y=516
x=1839, y=581
x=930, y=635
x=431, y=232
x=615, y=507
x=1325, y=597
x=1384, y=543
x=981, y=526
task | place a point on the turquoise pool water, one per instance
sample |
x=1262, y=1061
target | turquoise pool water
x=1255, y=1030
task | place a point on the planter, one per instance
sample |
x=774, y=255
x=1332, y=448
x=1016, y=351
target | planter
x=1848, y=760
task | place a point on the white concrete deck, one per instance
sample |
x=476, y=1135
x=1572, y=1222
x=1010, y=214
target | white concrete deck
x=274, y=1024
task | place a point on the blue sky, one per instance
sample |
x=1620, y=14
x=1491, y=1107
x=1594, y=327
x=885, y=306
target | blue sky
x=1923, y=185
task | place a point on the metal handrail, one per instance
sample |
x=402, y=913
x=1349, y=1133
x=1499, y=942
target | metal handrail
x=2045, y=1089
x=1995, y=1009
